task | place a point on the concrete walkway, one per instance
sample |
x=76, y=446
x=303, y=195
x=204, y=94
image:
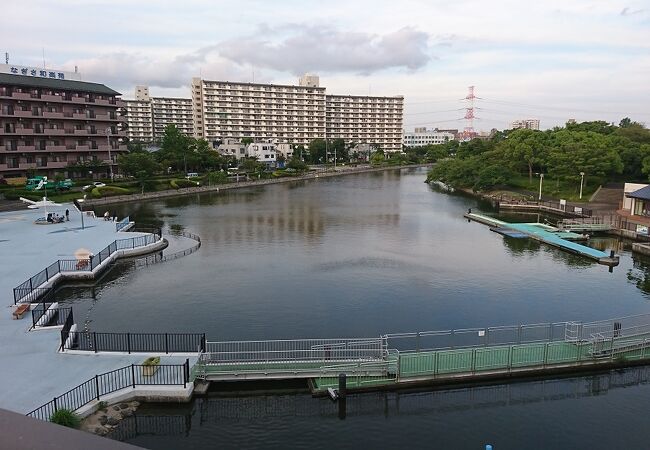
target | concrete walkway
x=32, y=371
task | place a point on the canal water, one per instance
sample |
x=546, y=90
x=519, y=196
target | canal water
x=358, y=256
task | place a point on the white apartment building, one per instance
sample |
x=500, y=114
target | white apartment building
x=171, y=111
x=421, y=137
x=366, y=120
x=291, y=114
x=264, y=152
x=139, y=120
x=531, y=124
x=147, y=117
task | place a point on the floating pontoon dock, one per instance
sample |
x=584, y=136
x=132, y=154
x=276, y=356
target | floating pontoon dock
x=427, y=358
x=548, y=235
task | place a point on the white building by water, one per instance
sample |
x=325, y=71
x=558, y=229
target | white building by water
x=421, y=137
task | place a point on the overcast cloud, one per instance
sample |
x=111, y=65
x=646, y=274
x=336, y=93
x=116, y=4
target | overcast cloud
x=327, y=49
x=583, y=59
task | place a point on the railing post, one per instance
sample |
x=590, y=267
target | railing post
x=97, y=385
x=59, y=264
x=47, y=276
x=133, y=375
x=95, y=341
x=546, y=354
x=128, y=342
x=203, y=343
x=166, y=343
x=55, y=405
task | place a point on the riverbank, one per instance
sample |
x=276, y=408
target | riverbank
x=244, y=184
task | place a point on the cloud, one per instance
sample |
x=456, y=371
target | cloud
x=627, y=11
x=326, y=49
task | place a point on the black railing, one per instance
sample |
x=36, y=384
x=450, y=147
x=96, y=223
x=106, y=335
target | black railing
x=29, y=290
x=57, y=316
x=115, y=380
x=571, y=209
x=92, y=341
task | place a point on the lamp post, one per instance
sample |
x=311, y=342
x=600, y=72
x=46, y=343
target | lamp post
x=110, y=160
x=541, y=180
x=582, y=179
x=82, y=211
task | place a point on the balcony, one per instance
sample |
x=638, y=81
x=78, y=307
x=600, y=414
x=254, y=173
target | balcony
x=23, y=113
x=57, y=164
x=56, y=148
x=26, y=148
x=79, y=116
x=80, y=132
x=52, y=98
x=55, y=131
x=78, y=100
x=82, y=148
x=22, y=95
x=26, y=166
x=53, y=115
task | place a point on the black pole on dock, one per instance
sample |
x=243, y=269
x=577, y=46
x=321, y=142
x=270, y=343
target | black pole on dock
x=343, y=388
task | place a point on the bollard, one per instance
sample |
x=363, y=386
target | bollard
x=611, y=253
x=342, y=386
x=469, y=211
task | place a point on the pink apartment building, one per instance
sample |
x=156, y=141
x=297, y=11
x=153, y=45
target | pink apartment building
x=58, y=126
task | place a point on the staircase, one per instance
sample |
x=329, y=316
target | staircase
x=607, y=199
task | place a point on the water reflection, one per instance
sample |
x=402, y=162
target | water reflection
x=188, y=425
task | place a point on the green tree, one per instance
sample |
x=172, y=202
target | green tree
x=296, y=163
x=247, y=140
x=525, y=147
x=317, y=150
x=132, y=163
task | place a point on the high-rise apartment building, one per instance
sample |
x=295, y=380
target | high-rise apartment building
x=366, y=120
x=139, y=120
x=147, y=117
x=293, y=114
x=531, y=124
x=263, y=112
x=171, y=111
x=52, y=123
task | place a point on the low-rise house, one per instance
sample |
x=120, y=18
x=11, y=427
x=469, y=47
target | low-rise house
x=264, y=152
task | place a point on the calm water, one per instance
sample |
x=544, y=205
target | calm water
x=364, y=255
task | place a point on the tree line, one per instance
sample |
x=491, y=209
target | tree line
x=601, y=151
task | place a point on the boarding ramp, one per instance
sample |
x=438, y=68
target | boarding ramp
x=585, y=224
x=295, y=358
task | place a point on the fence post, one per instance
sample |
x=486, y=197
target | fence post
x=59, y=263
x=203, y=343
x=128, y=342
x=166, y=343
x=133, y=375
x=546, y=354
x=186, y=372
x=95, y=341
x=47, y=274
x=56, y=408
x=97, y=385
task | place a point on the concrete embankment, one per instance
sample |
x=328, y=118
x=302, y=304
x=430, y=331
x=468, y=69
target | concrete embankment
x=241, y=185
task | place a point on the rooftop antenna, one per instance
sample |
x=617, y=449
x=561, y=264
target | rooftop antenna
x=6, y=57
x=43, y=57
x=76, y=69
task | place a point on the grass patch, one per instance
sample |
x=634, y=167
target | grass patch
x=66, y=418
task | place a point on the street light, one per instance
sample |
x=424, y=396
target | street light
x=541, y=180
x=110, y=160
x=582, y=179
x=82, y=211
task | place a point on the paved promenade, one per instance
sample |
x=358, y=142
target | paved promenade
x=31, y=369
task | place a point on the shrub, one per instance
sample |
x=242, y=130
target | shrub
x=151, y=361
x=108, y=191
x=66, y=418
x=180, y=183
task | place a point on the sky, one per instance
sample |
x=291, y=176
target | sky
x=550, y=59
